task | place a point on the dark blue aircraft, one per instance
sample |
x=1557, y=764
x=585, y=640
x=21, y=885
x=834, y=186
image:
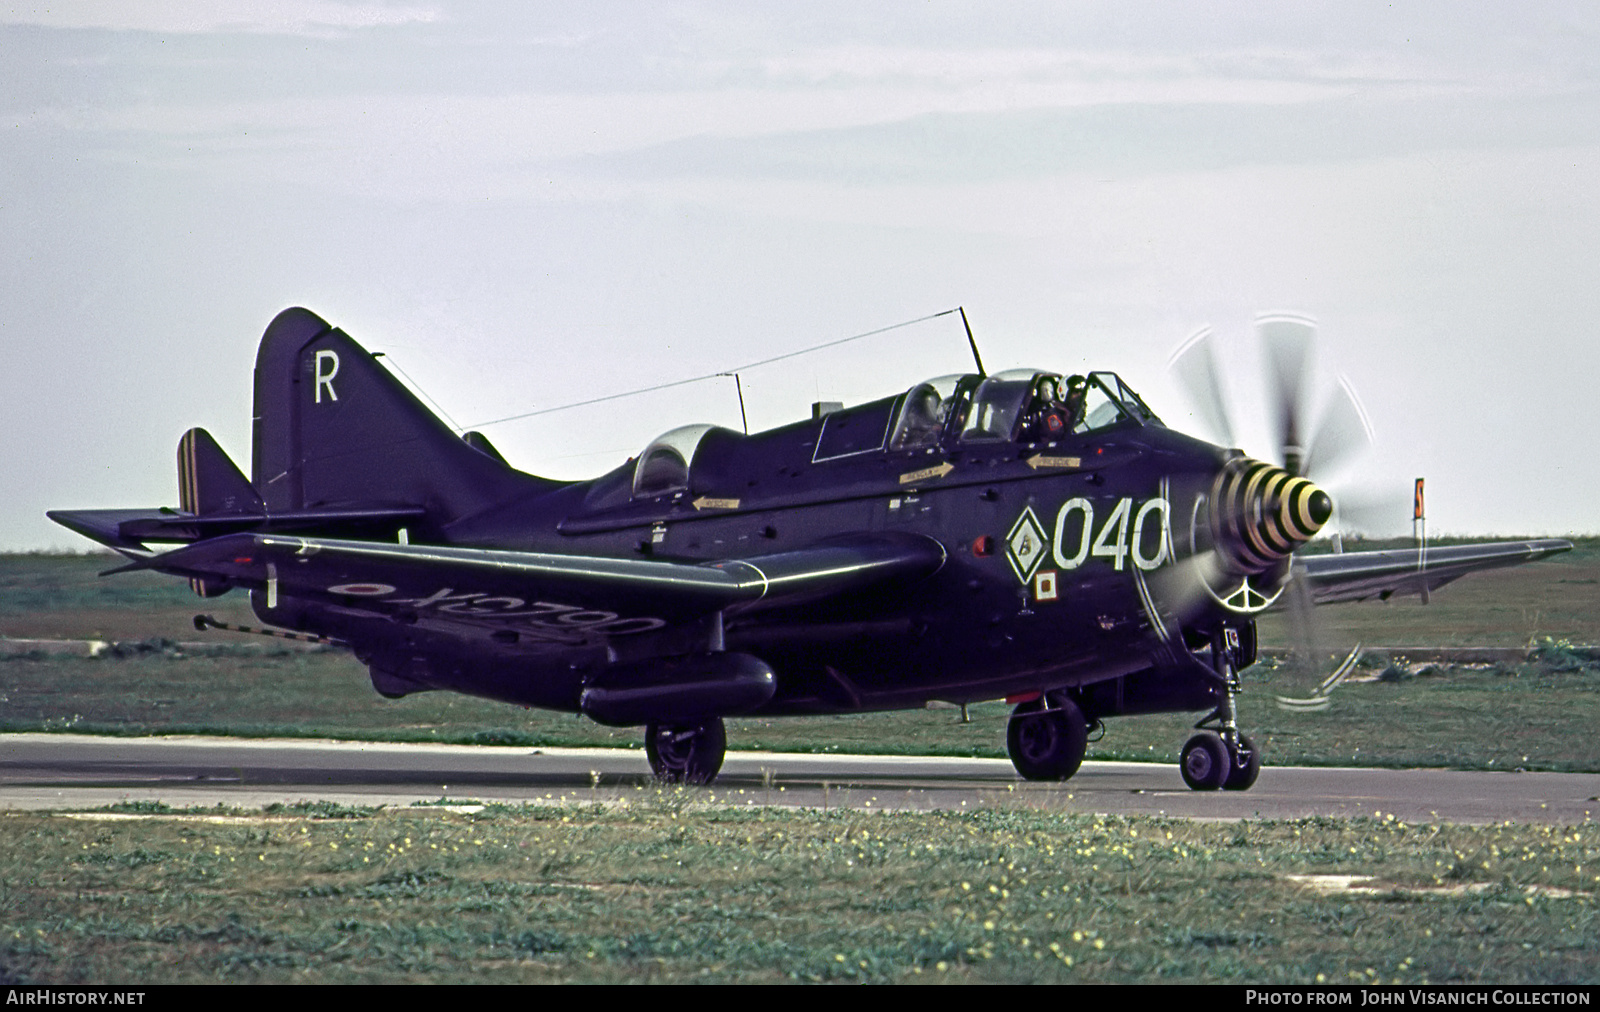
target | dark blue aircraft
x=1025, y=536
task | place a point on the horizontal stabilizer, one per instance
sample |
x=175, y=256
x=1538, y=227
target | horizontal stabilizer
x=105, y=526
x=128, y=530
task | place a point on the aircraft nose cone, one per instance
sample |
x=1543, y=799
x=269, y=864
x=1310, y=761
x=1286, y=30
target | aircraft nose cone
x=1319, y=507
x=1263, y=513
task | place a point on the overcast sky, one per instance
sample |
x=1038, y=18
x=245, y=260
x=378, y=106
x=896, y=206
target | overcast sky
x=524, y=205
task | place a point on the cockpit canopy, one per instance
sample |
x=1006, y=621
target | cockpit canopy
x=1019, y=405
x=664, y=464
x=1024, y=405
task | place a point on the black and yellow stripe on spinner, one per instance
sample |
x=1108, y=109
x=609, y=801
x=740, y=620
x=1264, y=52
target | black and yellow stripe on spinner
x=1262, y=513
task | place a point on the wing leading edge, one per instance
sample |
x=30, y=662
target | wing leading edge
x=578, y=595
x=1356, y=576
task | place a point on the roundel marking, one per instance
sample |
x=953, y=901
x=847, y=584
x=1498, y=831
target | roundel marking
x=362, y=589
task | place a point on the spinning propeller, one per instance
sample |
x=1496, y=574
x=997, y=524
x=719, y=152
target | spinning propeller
x=1259, y=513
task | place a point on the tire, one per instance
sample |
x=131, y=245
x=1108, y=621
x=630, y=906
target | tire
x=1047, y=743
x=1242, y=774
x=1205, y=762
x=686, y=754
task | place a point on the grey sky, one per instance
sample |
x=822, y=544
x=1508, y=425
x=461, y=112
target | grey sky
x=527, y=205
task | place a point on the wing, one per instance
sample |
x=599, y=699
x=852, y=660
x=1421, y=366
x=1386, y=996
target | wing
x=1356, y=576
x=565, y=598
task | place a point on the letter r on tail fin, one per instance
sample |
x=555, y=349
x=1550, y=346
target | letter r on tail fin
x=327, y=369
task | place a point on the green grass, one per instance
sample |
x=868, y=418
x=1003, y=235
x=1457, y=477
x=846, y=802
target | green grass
x=669, y=889
x=1536, y=715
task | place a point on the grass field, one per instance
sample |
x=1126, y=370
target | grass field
x=1536, y=715
x=669, y=889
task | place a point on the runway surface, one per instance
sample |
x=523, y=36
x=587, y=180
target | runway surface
x=39, y=771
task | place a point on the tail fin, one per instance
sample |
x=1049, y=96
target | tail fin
x=209, y=482
x=334, y=429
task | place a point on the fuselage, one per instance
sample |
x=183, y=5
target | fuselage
x=1053, y=530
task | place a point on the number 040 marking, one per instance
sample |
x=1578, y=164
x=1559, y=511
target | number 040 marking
x=1115, y=541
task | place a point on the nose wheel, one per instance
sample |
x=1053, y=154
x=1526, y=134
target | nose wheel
x=1209, y=761
x=686, y=754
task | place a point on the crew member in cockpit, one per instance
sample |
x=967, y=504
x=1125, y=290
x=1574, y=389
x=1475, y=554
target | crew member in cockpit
x=1046, y=416
x=1072, y=400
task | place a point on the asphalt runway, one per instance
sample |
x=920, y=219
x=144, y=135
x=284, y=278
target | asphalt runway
x=51, y=771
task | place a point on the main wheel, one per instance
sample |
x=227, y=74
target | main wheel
x=1244, y=767
x=1047, y=742
x=1205, y=762
x=686, y=754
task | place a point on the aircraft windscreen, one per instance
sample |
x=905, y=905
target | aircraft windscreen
x=1100, y=409
x=1131, y=402
x=1107, y=401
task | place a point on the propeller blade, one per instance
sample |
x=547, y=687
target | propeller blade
x=1286, y=343
x=1306, y=663
x=1310, y=704
x=1195, y=366
x=1181, y=587
x=1343, y=431
x=1318, y=700
x=1342, y=672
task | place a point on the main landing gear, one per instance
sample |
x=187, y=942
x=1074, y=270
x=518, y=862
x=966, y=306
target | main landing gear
x=1047, y=738
x=686, y=753
x=1225, y=757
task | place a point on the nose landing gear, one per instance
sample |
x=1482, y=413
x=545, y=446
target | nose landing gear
x=1224, y=758
x=1210, y=761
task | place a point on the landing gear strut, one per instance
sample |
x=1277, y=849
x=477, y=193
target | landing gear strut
x=1047, y=738
x=1223, y=758
x=686, y=754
